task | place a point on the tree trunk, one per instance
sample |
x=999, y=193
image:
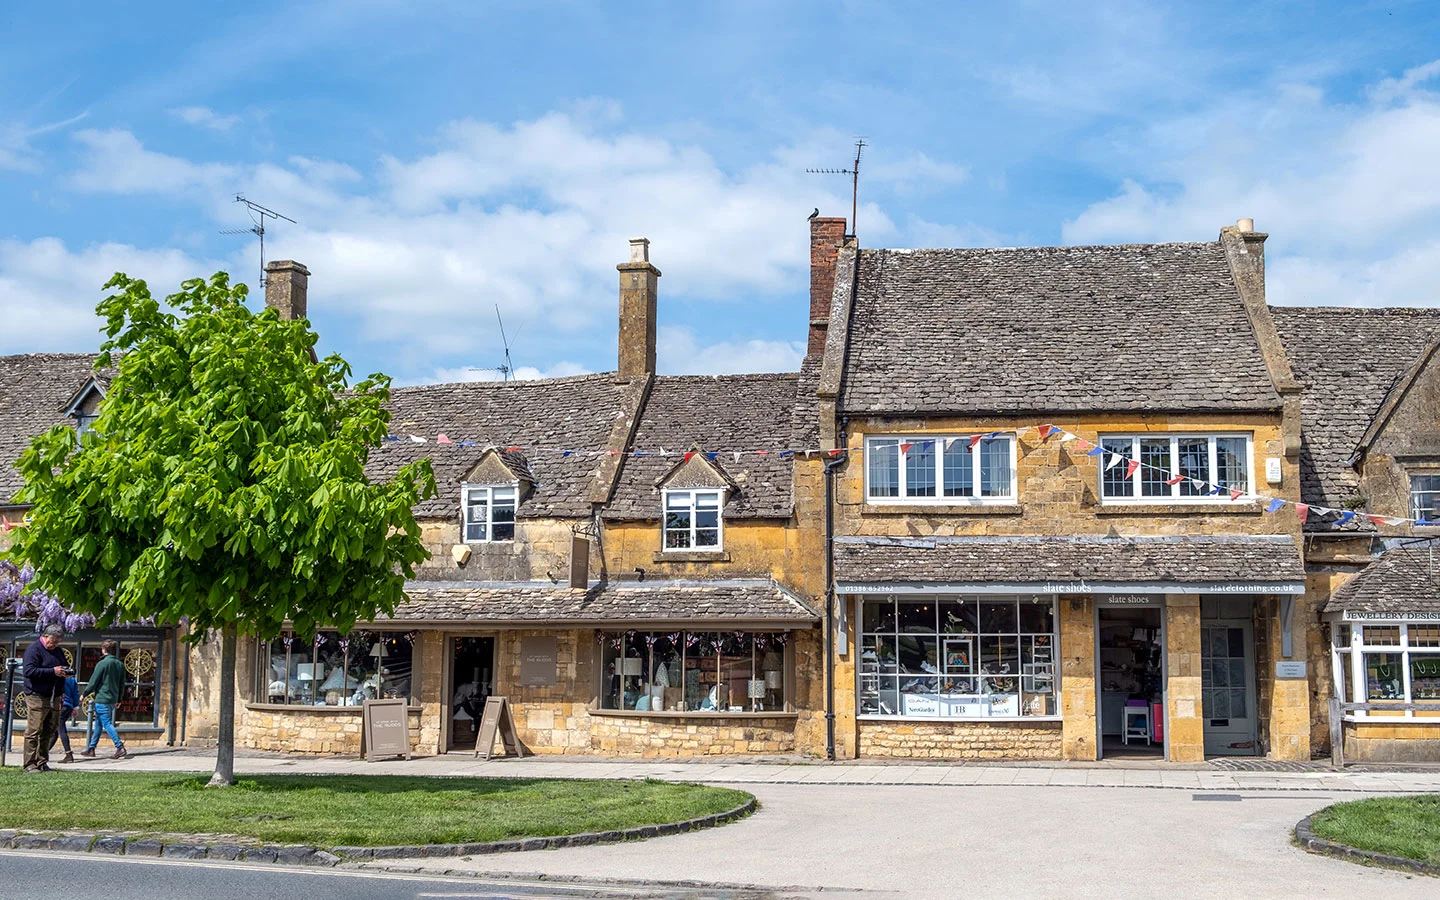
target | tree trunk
x=225, y=740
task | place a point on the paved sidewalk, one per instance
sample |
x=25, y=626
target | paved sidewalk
x=747, y=772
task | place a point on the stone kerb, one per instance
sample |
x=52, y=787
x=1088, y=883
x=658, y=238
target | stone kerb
x=1315, y=844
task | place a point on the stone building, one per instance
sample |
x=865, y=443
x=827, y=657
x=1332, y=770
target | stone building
x=1371, y=453
x=1051, y=536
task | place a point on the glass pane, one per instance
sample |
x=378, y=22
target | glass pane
x=1425, y=676
x=610, y=668
x=142, y=665
x=879, y=615
x=1347, y=689
x=997, y=616
x=959, y=470
x=1381, y=635
x=701, y=677
x=1231, y=463
x=883, y=466
x=919, y=655
x=1425, y=497
x=1113, y=482
x=1424, y=635
x=330, y=670
x=877, y=655
x=1217, y=705
x=707, y=500
x=677, y=529
x=1155, y=467
x=737, y=674
x=1194, y=464
x=919, y=696
x=959, y=616
x=995, y=467
x=920, y=469
x=1383, y=677
x=1000, y=656
x=666, y=672
x=1235, y=639
x=707, y=518
x=917, y=616
x=707, y=537
x=502, y=517
x=1237, y=703
x=677, y=500
x=635, y=656
x=770, y=651
x=393, y=666
x=1037, y=616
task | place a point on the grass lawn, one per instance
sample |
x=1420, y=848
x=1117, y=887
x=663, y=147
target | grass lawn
x=357, y=810
x=1398, y=826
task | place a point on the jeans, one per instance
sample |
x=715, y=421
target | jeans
x=40, y=731
x=62, y=734
x=105, y=716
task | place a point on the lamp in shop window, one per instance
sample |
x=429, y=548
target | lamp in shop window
x=632, y=666
x=379, y=651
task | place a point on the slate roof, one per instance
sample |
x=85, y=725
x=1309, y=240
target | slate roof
x=33, y=389
x=1027, y=560
x=554, y=413
x=718, y=414
x=1403, y=579
x=1347, y=358
x=701, y=602
x=1051, y=329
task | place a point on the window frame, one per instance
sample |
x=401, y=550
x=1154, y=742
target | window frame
x=754, y=706
x=1415, y=512
x=693, y=529
x=1350, y=643
x=265, y=657
x=1174, y=495
x=940, y=498
x=77, y=643
x=489, y=491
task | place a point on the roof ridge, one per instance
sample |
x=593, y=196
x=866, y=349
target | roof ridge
x=1066, y=248
x=567, y=379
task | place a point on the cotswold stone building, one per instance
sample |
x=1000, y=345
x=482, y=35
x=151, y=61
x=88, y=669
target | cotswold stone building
x=1024, y=503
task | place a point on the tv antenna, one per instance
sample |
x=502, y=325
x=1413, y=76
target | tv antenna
x=506, y=369
x=854, y=173
x=258, y=229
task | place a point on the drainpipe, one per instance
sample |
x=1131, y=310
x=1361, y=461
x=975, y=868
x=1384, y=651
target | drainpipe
x=185, y=699
x=830, y=466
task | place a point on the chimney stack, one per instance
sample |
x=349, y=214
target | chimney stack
x=1245, y=250
x=286, y=284
x=638, y=293
x=827, y=235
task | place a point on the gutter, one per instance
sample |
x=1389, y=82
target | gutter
x=830, y=466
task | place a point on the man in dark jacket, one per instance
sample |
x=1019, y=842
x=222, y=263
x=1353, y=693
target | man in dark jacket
x=107, y=683
x=45, y=671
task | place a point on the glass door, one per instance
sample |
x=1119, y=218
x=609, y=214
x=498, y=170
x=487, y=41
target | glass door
x=1227, y=687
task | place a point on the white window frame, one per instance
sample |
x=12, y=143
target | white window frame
x=1353, y=656
x=1212, y=464
x=975, y=499
x=489, y=492
x=1415, y=512
x=693, y=507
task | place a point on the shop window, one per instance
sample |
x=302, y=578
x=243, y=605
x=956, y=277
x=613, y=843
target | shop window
x=692, y=520
x=138, y=707
x=490, y=513
x=1201, y=467
x=1399, y=663
x=336, y=670
x=940, y=468
x=958, y=657
x=701, y=672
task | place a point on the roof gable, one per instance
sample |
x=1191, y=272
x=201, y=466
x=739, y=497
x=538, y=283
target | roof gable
x=86, y=398
x=35, y=389
x=696, y=470
x=1051, y=329
x=496, y=466
x=1407, y=415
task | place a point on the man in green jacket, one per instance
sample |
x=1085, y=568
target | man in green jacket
x=107, y=683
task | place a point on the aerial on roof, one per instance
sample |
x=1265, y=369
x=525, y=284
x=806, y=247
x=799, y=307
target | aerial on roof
x=541, y=417
x=34, y=389
x=718, y=414
x=1347, y=359
x=1403, y=580
x=978, y=561
x=1051, y=329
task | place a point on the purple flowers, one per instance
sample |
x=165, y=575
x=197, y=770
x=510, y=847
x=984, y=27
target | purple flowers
x=45, y=609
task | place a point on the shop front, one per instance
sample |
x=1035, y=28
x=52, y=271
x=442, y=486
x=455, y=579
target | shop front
x=1123, y=659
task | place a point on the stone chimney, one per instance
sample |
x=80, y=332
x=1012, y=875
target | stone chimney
x=826, y=237
x=286, y=284
x=637, y=312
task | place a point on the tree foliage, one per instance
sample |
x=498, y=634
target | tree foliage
x=224, y=479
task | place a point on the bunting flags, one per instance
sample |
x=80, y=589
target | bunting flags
x=975, y=439
x=442, y=439
x=1302, y=512
x=1274, y=505
x=1174, y=481
x=1236, y=494
x=1096, y=451
x=1114, y=461
x=1131, y=467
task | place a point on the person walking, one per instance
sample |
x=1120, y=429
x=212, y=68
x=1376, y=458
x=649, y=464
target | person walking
x=68, y=704
x=45, y=671
x=107, y=684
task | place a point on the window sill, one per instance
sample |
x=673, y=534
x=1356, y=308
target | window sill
x=966, y=719
x=691, y=714
x=872, y=508
x=1163, y=508
x=296, y=707
x=681, y=556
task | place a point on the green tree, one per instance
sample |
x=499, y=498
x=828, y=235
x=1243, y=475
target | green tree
x=223, y=483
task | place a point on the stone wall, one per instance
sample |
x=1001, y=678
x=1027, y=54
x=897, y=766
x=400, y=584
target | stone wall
x=1078, y=698
x=1413, y=742
x=961, y=740
x=754, y=548
x=329, y=730
x=540, y=552
x=686, y=735
x=550, y=718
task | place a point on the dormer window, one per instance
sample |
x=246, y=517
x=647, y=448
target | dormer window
x=1425, y=498
x=692, y=519
x=85, y=424
x=490, y=512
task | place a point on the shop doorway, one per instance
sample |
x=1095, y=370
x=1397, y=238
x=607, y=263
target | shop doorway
x=1130, y=656
x=1227, y=677
x=472, y=681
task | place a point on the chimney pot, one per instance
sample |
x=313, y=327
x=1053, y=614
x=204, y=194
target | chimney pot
x=640, y=250
x=287, y=284
x=1245, y=225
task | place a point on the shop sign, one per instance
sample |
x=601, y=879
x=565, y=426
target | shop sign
x=385, y=729
x=539, y=658
x=1359, y=616
x=1127, y=600
x=1289, y=669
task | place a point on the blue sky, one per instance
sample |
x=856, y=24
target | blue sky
x=441, y=159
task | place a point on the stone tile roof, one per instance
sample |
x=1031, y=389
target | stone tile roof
x=719, y=414
x=1036, y=560
x=1403, y=579
x=563, y=413
x=701, y=602
x=805, y=415
x=33, y=389
x=1052, y=329
x=1347, y=358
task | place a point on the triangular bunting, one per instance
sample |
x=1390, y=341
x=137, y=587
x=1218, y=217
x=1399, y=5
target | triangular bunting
x=442, y=439
x=1345, y=518
x=1274, y=505
x=1114, y=461
x=1131, y=467
x=975, y=439
x=737, y=456
x=905, y=448
x=1302, y=512
x=1376, y=520
x=688, y=456
x=1176, y=480
x=1096, y=451
x=1236, y=494
x=1045, y=432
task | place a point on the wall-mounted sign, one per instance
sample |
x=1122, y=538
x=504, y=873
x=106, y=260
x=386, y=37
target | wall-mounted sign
x=1289, y=669
x=1128, y=599
x=539, y=658
x=1415, y=616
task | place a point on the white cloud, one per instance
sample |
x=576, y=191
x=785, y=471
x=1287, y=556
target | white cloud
x=679, y=352
x=205, y=117
x=116, y=162
x=49, y=292
x=1349, y=193
x=15, y=150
